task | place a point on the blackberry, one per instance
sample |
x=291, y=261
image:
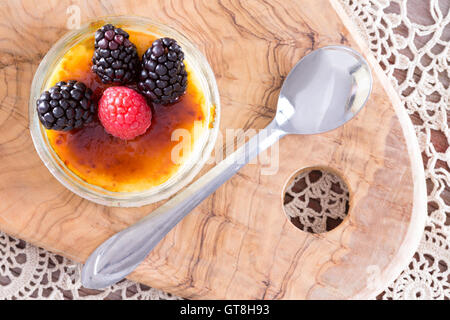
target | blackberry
x=66, y=106
x=115, y=58
x=163, y=77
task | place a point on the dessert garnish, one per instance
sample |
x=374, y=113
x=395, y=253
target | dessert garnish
x=115, y=59
x=163, y=76
x=123, y=123
x=66, y=106
x=124, y=113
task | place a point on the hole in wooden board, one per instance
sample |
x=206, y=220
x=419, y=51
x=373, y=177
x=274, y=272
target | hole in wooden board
x=316, y=200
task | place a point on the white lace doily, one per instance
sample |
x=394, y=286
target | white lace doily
x=410, y=39
x=308, y=208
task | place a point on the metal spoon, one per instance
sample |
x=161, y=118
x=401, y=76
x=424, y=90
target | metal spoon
x=324, y=90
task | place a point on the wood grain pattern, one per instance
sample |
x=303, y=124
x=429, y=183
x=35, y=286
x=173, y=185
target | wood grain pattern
x=231, y=246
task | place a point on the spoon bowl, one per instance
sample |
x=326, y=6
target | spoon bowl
x=323, y=91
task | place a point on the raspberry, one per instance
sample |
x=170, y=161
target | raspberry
x=124, y=113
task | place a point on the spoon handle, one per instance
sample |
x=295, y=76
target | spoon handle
x=122, y=253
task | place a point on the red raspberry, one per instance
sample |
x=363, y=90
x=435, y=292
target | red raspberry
x=124, y=113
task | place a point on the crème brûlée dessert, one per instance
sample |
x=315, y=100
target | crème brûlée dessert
x=112, y=104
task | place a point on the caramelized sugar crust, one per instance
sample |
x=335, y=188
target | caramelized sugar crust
x=113, y=164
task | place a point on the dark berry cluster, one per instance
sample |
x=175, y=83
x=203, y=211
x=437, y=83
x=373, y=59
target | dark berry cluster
x=115, y=59
x=66, y=106
x=163, y=77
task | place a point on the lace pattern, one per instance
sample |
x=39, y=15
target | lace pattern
x=414, y=52
x=413, y=49
x=309, y=209
x=28, y=272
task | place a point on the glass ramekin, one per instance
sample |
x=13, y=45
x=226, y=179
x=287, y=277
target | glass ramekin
x=202, y=147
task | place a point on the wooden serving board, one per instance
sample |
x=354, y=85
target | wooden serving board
x=238, y=243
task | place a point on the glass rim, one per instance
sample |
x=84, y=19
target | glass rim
x=188, y=170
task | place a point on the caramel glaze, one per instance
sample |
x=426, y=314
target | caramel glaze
x=111, y=163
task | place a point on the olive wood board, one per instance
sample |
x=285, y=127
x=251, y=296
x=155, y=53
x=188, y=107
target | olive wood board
x=238, y=244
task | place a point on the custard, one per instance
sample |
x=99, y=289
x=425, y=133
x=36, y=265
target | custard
x=111, y=163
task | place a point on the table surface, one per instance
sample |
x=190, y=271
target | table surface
x=419, y=9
